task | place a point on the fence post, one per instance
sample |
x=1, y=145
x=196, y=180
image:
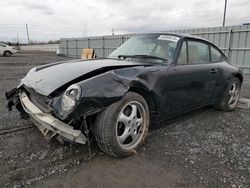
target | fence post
x=103, y=47
x=76, y=48
x=67, y=44
x=122, y=39
x=229, y=44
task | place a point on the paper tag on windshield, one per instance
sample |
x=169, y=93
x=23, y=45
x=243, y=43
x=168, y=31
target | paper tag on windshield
x=169, y=38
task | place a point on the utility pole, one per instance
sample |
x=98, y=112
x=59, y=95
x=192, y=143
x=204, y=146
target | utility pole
x=17, y=38
x=113, y=32
x=28, y=36
x=17, y=42
x=225, y=11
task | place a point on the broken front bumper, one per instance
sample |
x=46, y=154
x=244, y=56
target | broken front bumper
x=48, y=124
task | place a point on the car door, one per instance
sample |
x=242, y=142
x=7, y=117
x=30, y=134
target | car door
x=191, y=79
x=206, y=71
x=219, y=60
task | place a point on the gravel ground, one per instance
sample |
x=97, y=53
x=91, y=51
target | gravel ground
x=205, y=148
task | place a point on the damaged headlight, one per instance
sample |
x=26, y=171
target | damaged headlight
x=70, y=97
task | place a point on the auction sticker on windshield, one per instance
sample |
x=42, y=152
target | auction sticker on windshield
x=169, y=38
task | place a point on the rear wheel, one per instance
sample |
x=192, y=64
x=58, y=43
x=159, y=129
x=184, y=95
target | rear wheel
x=7, y=53
x=231, y=96
x=122, y=127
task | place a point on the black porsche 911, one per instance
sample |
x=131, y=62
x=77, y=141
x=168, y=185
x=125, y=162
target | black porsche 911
x=112, y=99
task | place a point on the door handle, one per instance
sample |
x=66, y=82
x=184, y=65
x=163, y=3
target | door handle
x=212, y=71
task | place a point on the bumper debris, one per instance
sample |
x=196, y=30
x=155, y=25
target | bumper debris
x=48, y=124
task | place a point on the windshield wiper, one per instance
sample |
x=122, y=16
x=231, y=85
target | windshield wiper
x=142, y=57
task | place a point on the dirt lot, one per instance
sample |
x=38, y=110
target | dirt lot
x=205, y=148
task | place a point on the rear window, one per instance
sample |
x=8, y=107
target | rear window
x=216, y=56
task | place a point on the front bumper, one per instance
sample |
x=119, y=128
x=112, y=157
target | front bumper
x=48, y=124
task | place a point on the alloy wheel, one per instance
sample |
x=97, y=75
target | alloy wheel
x=234, y=94
x=131, y=125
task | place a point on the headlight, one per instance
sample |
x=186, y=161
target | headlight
x=70, y=97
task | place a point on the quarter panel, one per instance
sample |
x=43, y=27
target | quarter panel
x=226, y=72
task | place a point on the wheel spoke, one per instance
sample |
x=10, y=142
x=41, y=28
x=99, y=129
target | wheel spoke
x=236, y=94
x=138, y=122
x=233, y=89
x=231, y=93
x=124, y=119
x=134, y=111
x=236, y=91
x=125, y=135
x=134, y=136
x=230, y=100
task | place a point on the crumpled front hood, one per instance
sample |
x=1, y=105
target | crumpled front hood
x=45, y=80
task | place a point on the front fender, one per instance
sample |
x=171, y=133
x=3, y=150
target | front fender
x=102, y=90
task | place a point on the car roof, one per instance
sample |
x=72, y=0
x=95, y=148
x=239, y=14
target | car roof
x=186, y=35
x=181, y=35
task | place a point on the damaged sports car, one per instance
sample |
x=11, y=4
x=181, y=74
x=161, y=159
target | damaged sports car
x=114, y=99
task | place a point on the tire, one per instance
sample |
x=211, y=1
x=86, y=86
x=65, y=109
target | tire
x=230, y=97
x=122, y=127
x=7, y=53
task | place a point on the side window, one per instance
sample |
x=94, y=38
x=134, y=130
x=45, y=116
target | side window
x=216, y=55
x=198, y=52
x=182, y=59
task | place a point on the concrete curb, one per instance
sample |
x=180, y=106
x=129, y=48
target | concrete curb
x=243, y=103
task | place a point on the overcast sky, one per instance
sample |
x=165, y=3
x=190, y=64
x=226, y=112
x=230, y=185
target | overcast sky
x=53, y=19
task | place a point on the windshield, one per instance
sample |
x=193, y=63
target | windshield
x=158, y=47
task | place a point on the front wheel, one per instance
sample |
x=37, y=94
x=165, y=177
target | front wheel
x=122, y=127
x=231, y=96
x=7, y=54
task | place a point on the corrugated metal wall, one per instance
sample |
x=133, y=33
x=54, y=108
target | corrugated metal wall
x=233, y=41
x=103, y=45
x=41, y=47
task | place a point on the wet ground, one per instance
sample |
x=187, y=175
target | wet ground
x=205, y=148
